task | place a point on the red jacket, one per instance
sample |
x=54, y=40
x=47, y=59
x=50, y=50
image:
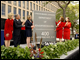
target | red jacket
x=57, y=22
x=59, y=30
x=67, y=30
x=8, y=29
x=23, y=28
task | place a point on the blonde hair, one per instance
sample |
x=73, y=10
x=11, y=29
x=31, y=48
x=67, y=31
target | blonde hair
x=9, y=15
x=28, y=17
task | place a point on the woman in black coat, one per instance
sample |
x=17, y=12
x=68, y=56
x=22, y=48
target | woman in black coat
x=28, y=28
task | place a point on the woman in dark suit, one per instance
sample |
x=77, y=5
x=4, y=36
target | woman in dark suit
x=28, y=28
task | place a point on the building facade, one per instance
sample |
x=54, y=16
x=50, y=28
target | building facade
x=24, y=8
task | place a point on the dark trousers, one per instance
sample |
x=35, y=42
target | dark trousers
x=23, y=37
x=17, y=40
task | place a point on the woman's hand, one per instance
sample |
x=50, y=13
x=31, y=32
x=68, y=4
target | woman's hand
x=66, y=23
x=7, y=34
x=32, y=26
x=12, y=32
x=23, y=23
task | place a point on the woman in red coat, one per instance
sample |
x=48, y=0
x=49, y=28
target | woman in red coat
x=67, y=26
x=57, y=23
x=8, y=29
x=59, y=29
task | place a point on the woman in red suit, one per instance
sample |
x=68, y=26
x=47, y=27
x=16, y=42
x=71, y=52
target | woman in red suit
x=59, y=29
x=67, y=26
x=8, y=29
x=57, y=23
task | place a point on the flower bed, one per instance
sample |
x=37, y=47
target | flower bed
x=50, y=52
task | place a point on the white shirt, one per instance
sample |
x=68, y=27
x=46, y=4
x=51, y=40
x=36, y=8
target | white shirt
x=17, y=19
x=58, y=23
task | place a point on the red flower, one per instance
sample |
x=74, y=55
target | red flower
x=41, y=52
x=34, y=52
x=31, y=55
x=41, y=55
x=39, y=49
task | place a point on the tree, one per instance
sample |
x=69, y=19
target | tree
x=60, y=4
x=70, y=12
x=75, y=8
x=77, y=28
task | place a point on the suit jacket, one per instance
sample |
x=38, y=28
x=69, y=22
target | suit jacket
x=76, y=37
x=17, y=27
x=28, y=28
x=59, y=30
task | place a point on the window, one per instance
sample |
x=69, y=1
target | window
x=31, y=13
x=3, y=9
x=19, y=3
x=49, y=6
x=28, y=5
x=36, y=7
x=33, y=6
x=23, y=14
x=23, y=4
x=46, y=6
x=9, y=2
x=36, y=1
x=46, y=9
x=39, y=2
x=14, y=11
x=27, y=13
x=19, y=12
x=39, y=8
x=9, y=9
x=14, y=2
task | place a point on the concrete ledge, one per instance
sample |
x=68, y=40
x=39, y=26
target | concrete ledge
x=70, y=54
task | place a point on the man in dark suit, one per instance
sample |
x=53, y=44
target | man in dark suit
x=76, y=36
x=17, y=30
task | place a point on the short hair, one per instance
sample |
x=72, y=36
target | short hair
x=28, y=17
x=16, y=15
x=62, y=19
x=9, y=15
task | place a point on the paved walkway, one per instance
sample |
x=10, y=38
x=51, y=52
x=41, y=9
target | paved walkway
x=23, y=45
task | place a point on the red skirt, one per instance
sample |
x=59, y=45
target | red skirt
x=59, y=34
x=66, y=35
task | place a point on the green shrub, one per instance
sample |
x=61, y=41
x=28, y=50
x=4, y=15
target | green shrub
x=50, y=52
x=15, y=53
x=55, y=51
